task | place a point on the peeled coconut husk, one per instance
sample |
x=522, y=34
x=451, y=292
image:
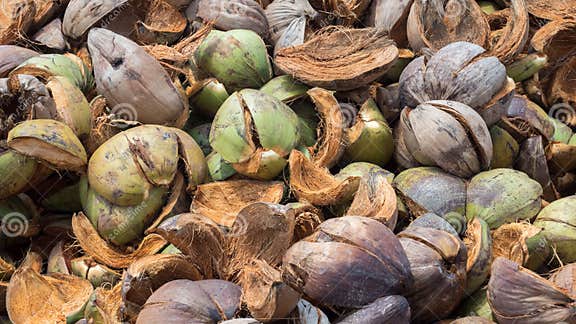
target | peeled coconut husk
x=338, y=58
x=102, y=128
x=221, y=201
x=266, y=296
x=177, y=202
x=435, y=24
x=552, y=9
x=308, y=218
x=512, y=38
x=479, y=248
x=562, y=86
x=375, y=199
x=149, y=273
x=198, y=237
x=556, y=39
x=331, y=134
x=517, y=294
x=108, y=302
x=35, y=298
x=565, y=278
x=163, y=24
x=101, y=251
x=6, y=269
x=510, y=241
x=316, y=185
x=561, y=157
x=261, y=230
x=347, y=11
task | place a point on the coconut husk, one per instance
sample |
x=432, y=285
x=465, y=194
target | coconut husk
x=392, y=16
x=6, y=269
x=347, y=12
x=198, y=237
x=149, y=273
x=513, y=36
x=261, y=230
x=552, y=9
x=532, y=161
x=562, y=87
x=103, y=252
x=109, y=304
x=561, y=157
x=308, y=218
x=509, y=241
x=338, y=58
x=316, y=185
x=163, y=24
x=479, y=248
x=16, y=17
x=555, y=39
x=266, y=296
x=435, y=24
x=375, y=199
x=566, y=184
x=565, y=278
x=331, y=134
x=102, y=128
x=222, y=201
x=177, y=202
x=35, y=298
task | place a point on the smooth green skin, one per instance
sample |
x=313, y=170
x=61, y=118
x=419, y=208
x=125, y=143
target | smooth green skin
x=71, y=104
x=359, y=169
x=271, y=165
x=171, y=249
x=539, y=251
x=393, y=74
x=121, y=225
x=505, y=148
x=16, y=170
x=572, y=140
x=209, y=99
x=526, y=67
x=58, y=64
x=237, y=58
x=96, y=273
x=193, y=158
x=480, y=271
x=91, y=312
x=502, y=196
x=275, y=123
x=201, y=134
x=558, y=221
x=67, y=199
x=113, y=173
x=53, y=133
x=488, y=7
x=308, y=121
x=432, y=189
x=284, y=88
x=219, y=169
x=476, y=305
x=562, y=133
x=375, y=143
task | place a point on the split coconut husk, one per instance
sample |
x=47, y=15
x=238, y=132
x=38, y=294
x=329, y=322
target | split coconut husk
x=261, y=231
x=222, y=201
x=103, y=252
x=435, y=24
x=266, y=296
x=512, y=38
x=149, y=273
x=478, y=243
x=522, y=243
x=375, y=199
x=308, y=218
x=532, y=161
x=106, y=305
x=316, y=185
x=35, y=298
x=555, y=39
x=339, y=59
x=552, y=10
x=16, y=17
x=199, y=238
x=346, y=12
x=562, y=91
x=163, y=23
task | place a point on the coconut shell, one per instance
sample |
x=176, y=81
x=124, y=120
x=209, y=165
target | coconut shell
x=198, y=237
x=102, y=252
x=438, y=23
x=35, y=298
x=392, y=17
x=283, y=13
x=261, y=230
x=149, y=273
x=316, y=185
x=362, y=250
x=518, y=294
x=339, y=59
x=51, y=36
x=234, y=14
x=532, y=161
x=12, y=56
x=266, y=296
x=524, y=119
x=309, y=314
x=186, y=301
x=375, y=199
